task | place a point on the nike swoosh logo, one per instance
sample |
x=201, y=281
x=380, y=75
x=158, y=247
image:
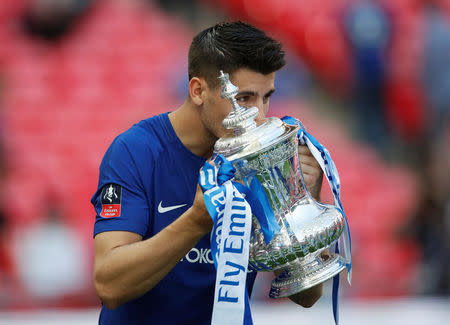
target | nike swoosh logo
x=162, y=209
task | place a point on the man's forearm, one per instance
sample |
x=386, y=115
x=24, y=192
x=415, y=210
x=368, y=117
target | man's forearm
x=129, y=271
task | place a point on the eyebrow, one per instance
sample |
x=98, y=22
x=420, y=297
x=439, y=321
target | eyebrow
x=254, y=93
x=269, y=93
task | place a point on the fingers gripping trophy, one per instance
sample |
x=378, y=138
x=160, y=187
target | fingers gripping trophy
x=266, y=161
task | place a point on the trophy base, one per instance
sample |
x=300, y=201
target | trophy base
x=295, y=278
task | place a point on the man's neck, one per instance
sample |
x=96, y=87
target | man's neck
x=190, y=130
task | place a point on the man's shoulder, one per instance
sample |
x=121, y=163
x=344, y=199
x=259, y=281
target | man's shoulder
x=146, y=136
x=146, y=130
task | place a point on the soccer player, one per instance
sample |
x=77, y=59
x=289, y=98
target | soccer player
x=153, y=262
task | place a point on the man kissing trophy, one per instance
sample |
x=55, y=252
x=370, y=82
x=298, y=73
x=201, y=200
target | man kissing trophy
x=264, y=217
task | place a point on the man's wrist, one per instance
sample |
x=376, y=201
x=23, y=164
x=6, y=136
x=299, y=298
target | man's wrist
x=198, y=221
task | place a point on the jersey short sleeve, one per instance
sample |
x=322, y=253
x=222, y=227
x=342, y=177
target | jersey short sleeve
x=120, y=201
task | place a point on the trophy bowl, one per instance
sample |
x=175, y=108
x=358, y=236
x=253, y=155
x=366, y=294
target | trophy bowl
x=266, y=159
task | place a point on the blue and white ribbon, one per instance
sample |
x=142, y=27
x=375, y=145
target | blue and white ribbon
x=231, y=206
x=230, y=236
x=323, y=157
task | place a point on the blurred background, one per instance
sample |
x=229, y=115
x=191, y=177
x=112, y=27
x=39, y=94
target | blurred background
x=369, y=79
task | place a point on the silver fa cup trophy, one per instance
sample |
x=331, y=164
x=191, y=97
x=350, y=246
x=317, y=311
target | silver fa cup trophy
x=266, y=157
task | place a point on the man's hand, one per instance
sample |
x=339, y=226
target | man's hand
x=308, y=297
x=201, y=217
x=312, y=173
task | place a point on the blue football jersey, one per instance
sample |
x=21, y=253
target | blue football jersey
x=148, y=178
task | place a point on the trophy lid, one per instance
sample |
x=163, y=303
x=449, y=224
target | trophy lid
x=248, y=138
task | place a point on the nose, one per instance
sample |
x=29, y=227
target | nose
x=260, y=118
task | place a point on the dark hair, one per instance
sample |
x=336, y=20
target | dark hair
x=230, y=46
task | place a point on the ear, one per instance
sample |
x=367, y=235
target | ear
x=197, y=87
